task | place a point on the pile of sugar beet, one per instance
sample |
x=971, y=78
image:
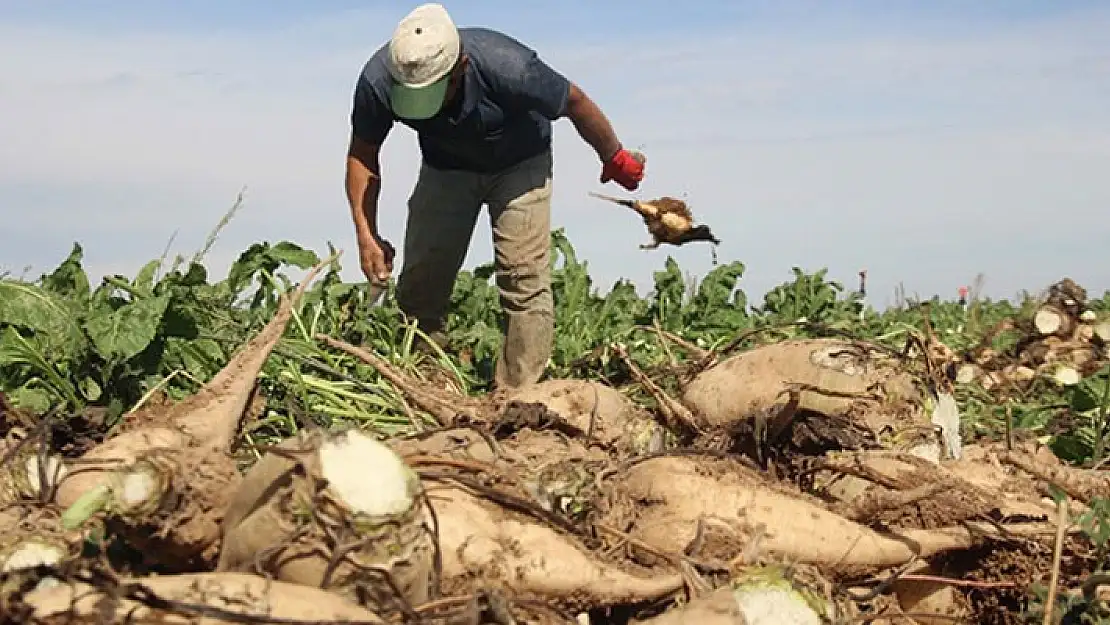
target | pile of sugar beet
x=806, y=481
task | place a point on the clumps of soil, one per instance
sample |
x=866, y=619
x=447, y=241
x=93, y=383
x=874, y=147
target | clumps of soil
x=1008, y=572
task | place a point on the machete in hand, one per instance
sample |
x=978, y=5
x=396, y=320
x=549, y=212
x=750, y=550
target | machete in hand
x=375, y=292
x=377, y=289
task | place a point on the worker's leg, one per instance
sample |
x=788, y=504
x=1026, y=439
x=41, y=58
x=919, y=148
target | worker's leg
x=520, y=215
x=443, y=209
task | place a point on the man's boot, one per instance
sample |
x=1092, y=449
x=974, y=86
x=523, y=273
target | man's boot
x=526, y=350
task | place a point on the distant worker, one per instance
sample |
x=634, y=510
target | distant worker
x=861, y=301
x=963, y=295
x=481, y=104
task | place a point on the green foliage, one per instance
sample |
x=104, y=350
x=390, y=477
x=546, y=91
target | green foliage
x=809, y=297
x=67, y=344
x=1088, y=404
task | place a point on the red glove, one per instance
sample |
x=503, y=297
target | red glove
x=627, y=168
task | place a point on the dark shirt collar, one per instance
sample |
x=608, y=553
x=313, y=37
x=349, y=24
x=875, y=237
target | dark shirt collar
x=471, y=92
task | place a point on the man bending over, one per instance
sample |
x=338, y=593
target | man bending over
x=481, y=104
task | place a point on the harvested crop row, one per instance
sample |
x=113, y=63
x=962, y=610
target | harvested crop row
x=721, y=510
x=1062, y=341
x=366, y=527
x=190, y=598
x=582, y=408
x=339, y=511
x=164, y=478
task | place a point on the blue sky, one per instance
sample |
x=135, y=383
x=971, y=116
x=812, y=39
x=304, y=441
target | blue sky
x=927, y=142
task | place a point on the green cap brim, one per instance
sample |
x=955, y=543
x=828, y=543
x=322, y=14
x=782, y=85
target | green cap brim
x=418, y=103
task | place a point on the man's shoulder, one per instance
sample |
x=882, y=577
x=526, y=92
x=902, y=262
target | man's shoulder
x=494, y=51
x=490, y=38
x=375, y=72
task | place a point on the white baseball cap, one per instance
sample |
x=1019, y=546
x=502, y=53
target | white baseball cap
x=424, y=48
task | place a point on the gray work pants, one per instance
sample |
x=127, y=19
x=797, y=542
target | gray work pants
x=443, y=210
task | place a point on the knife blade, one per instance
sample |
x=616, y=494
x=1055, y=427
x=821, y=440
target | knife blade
x=375, y=293
x=377, y=289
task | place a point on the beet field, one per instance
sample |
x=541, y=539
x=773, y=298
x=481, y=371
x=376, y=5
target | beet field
x=269, y=447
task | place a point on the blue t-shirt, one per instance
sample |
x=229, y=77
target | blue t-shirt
x=509, y=98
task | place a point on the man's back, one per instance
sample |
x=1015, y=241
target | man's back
x=501, y=117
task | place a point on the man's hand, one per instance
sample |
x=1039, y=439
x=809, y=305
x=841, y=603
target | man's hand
x=626, y=168
x=376, y=257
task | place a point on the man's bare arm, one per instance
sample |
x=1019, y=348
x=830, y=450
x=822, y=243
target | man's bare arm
x=363, y=186
x=591, y=123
